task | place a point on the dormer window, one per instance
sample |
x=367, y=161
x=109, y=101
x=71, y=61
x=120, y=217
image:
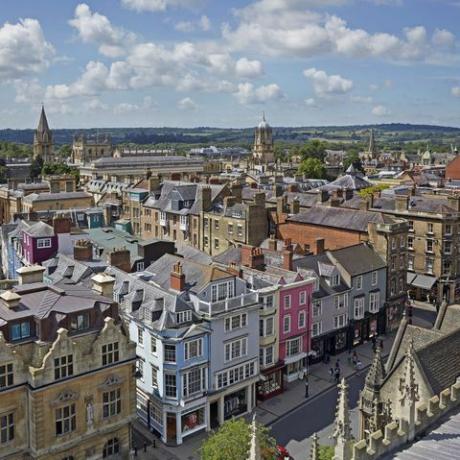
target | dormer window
x=335, y=280
x=184, y=317
x=80, y=322
x=20, y=331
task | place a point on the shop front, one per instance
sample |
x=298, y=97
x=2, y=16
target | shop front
x=193, y=421
x=235, y=404
x=271, y=382
x=364, y=329
x=295, y=366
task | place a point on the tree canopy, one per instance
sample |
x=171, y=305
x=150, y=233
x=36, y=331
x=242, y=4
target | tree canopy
x=312, y=149
x=312, y=168
x=352, y=158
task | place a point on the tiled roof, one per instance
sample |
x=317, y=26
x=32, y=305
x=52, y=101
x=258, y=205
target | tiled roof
x=33, y=197
x=358, y=259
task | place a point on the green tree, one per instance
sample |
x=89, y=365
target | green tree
x=65, y=151
x=312, y=168
x=326, y=453
x=313, y=149
x=352, y=158
x=232, y=441
x=36, y=167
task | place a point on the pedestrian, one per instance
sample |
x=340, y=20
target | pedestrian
x=381, y=344
x=337, y=375
x=331, y=374
x=306, y=386
x=145, y=446
x=135, y=451
x=354, y=358
x=374, y=343
x=337, y=363
x=349, y=357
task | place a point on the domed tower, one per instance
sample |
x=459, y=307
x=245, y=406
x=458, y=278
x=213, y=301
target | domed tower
x=263, y=144
x=43, y=138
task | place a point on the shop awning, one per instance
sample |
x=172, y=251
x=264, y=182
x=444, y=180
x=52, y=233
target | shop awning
x=295, y=358
x=423, y=281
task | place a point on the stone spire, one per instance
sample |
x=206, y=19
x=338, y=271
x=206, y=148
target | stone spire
x=254, y=448
x=409, y=394
x=43, y=138
x=376, y=374
x=342, y=431
x=314, y=455
x=372, y=150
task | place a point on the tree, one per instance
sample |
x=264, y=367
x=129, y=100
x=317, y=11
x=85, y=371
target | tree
x=352, y=158
x=232, y=441
x=313, y=149
x=65, y=151
x=312, y=168
x=36, y=167
x=326, y=453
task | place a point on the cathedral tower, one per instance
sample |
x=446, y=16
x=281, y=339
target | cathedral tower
x=263, y=152
x=43, y=138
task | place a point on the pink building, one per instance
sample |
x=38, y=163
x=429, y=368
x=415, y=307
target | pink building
x=295, y=314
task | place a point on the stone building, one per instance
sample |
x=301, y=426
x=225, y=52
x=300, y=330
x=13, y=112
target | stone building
x=67, y=386
x=263, y=152
x=43, y=139
x=87, y=149
x=36, y=202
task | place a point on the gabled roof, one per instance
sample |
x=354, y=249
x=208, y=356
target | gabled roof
x=358, y=259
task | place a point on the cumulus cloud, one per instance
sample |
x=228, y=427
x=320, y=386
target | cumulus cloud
x=157, y=5
x=187, y=104
x=327, y=85
x=381, y=111
x=456, y=91
x=203, y=24
x=282, y=27
x=443, y=38
x=24, y=50
x=248, y=69
x=93, y=27
x=247, y=93
x=127, y=107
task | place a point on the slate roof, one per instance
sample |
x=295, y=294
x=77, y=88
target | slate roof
x=417, y=203
x=352, y=180
x=33, y=197
x=351, y=219
x=358, y=259
x=37, y=229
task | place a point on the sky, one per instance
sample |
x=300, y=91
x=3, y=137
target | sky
x=191, y=63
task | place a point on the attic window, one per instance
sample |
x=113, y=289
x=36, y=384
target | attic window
x=184, y=317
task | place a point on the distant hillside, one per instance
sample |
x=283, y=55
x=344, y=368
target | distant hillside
x=395, y=133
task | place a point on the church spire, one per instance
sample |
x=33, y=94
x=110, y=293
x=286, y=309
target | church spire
x=376, y=374
x=372, y=151
x=43, y=138
x=342, y=431
x=43, y=122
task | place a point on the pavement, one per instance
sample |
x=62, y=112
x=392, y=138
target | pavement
x=292, y=417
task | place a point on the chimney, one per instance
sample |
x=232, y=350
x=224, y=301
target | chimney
x=229, y=201
x=401, y=202
x=177, y=278
x=288, y=255
x=10, y=299
x=252, y=257
x=323, y=196
x=103, y=284
x=83, y=250
x=237, y=192
x=295, y=206
x=154, y=183
x=454, y=202
x=206, y=198
x=320, y=245
x=234, y=269
x=120, y=258
x=61, y=224
x=30, y=274
x=259, y=199
x=272, y=242
x=277, y=190
x=349, y=192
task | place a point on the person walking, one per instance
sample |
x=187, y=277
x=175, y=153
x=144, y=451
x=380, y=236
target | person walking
x=331, y=374
x=381, y=344
x=354, y=358
x=374, y=343
x=306, y=387
x=337, y=375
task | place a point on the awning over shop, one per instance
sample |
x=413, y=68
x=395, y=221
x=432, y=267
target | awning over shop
x=423, y=281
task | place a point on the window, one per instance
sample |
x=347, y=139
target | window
x=110, y=353
x=170, y=353
x=206, y=241
x=140, y=266
x=411, y=225
x=429, y=264
x=287, y=301
x=393, y=243
x=302, y=298
x=359, y=282
x=235, y=374
x=402, y=242
x=6, y=375
x=153, y=345
x=216, y=243
x=222, y=291
x=154, y=376
x=374, y=301
x=43, y=243
x=236, y=349
x=393, y=262
x=140, y=336
x=294, y=346
x=111, y=447
x=302, y=321
x=205, y=223
x=410, y=242
x=230, y=229
x=287, y=324
x=140, y=369
x=20, y=331
x=448, y=229
x=446, y=266
x=184, y=317
x=268, y=301
x=6, y=428
x=358, y=306
x=266, y=356
x=194, y=381
x=240, y=230
x=374, y=278
x=193, y=348
x=448, y=247
x=80, y=322
x=335, y=280
x=170, y=385
x=339, y=321
x=111, y=403
x=236, y=322
x=216, y=224
x=317, y=309
x=429, y=227
x=63, y=367
x=317, y=328
x=410, y=262
x=66, y=419
x=266, y=326
x=429, y=245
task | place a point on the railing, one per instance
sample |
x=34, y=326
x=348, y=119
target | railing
x=212, y=308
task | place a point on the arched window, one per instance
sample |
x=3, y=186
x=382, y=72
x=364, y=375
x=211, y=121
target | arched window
x=111, y=447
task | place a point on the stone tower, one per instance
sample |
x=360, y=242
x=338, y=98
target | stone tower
x=372, y=150
x=263, y=152
x=43, y=138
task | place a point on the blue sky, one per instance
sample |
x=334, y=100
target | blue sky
x=109, y=63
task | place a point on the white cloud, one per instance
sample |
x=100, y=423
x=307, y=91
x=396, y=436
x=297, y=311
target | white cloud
x=310, y=102
x=381, y=111
x=248, y=69
x=327, y=85
x=203, y=24
x=126, y=107
x=28, y=91
x=247, y=93
x=185, y=26
x=187, y=104
x=157, y=5
x=443, y=38
x=362, y=99
x=96, y=28
x=24, y=50
x=456, y=91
